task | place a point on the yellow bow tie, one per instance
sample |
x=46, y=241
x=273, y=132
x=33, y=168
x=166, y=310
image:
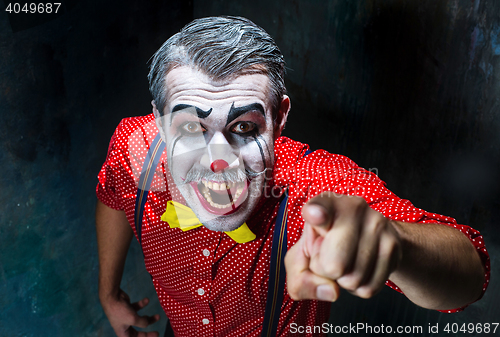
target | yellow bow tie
x=178, y=215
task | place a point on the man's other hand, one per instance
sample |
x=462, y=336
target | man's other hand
x=122, y=315
x=344, y=243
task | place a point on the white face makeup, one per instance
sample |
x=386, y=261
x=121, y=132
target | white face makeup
x=219, y=140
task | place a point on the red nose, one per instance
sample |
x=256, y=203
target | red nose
x=219, y=165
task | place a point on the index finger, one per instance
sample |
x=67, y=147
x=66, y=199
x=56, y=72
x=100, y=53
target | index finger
x=325, y=208
x=340, y=243
x=317, y=214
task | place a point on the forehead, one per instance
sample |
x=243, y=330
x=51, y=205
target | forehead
x=186, y=85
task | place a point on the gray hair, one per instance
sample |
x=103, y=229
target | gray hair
x=221, y=47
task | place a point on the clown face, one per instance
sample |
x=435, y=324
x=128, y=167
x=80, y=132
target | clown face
x=219, y=138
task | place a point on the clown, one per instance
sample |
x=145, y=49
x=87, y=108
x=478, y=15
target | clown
x=219, y=107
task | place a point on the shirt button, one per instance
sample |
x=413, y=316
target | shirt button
x=205, y=321
x=201, y=291
x=206, y=252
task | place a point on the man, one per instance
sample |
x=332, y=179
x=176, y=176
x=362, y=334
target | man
x=219, y=105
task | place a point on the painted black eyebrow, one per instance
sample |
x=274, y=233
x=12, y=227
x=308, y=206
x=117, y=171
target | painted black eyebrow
x=199, y=112
x=237, y=112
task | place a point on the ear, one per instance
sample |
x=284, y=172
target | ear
x=159, y=122
x=282, y=116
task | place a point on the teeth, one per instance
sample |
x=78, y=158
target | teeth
x=220, y=187
x=238, y=193
x=208, y=197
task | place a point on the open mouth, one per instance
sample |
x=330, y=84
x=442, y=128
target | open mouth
x=221, y=198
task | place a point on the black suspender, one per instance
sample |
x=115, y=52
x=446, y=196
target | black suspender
x=145, y=180
x=277, y=274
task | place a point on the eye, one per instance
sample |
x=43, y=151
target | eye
x=192, y=128
x=243, y=127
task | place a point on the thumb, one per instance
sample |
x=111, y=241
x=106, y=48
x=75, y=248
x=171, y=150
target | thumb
x=301, y=282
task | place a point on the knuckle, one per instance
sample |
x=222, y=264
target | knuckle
x=366, y=292
x=357, y=204
x=391, y=247
x=333, y=270
x=376, y=224
x=351, y=282
x=356, y=281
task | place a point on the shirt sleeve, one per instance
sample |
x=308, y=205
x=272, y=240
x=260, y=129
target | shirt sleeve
x=381, y=199
x=339, y=174
x=106, y=189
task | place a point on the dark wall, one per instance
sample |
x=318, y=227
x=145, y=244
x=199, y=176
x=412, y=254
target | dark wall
x=407, y=87
x=64, y=86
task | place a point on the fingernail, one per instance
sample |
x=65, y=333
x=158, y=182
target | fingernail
x=325, y=292
x=316, y=211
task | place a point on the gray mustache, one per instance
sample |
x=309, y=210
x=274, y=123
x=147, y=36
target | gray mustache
x=233, y=176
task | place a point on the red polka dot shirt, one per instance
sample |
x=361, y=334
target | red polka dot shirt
x=208, y=284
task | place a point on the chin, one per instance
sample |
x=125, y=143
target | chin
x=223, y=225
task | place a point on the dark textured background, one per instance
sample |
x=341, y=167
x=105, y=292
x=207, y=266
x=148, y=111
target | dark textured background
x=410, y=88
